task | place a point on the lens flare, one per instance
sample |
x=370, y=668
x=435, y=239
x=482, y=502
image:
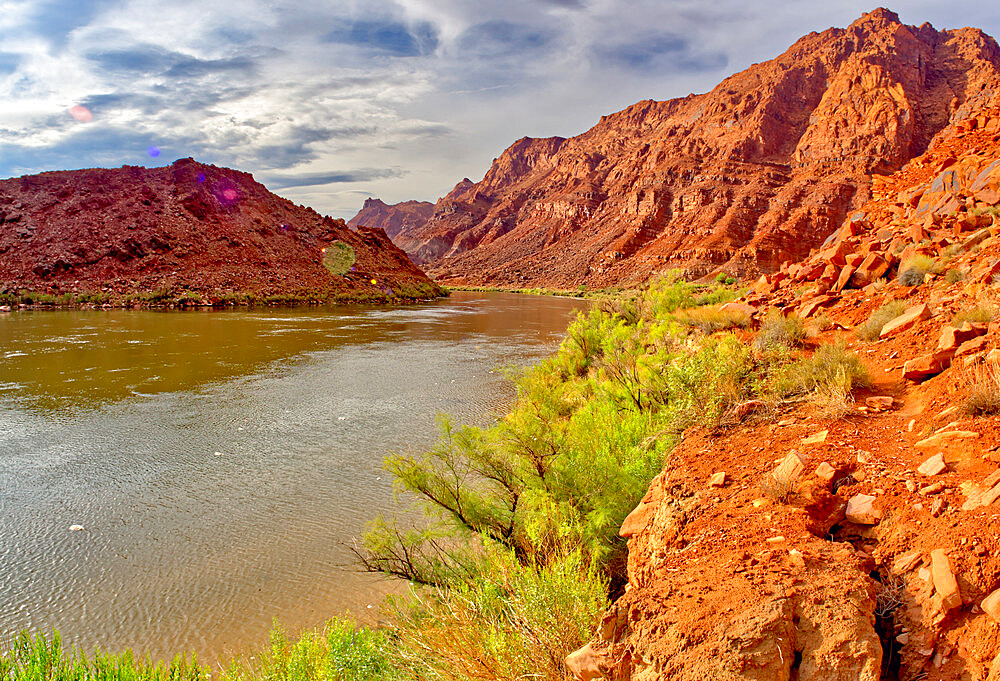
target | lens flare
x=81, y=113
x=374, y=281
x=230, y=195
x=153, y=151
x=201, y=177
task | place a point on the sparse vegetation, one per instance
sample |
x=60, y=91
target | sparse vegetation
x=780, y=489
x=872, y=327
x=711, y=318
x=982, y=396
x=913, y=269
x=779, y=330
x=828, y=377
x=983, y=313
x=338, y=258
x=953, y=276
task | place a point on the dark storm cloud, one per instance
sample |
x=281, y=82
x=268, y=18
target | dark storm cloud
x=149, y=60
x=393, y=38
x=493, y=39
x=284, y=181
x=665, y=51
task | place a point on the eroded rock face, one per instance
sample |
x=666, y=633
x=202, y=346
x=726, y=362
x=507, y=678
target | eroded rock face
x=186, y=226
x=399, y=217
x=722, y=588
x=757, y=171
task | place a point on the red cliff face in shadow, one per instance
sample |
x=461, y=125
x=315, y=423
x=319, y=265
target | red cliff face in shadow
x=188, y=226
x=759, y=170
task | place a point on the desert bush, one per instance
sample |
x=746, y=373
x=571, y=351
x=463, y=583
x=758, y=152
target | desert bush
x=510, y=622
x=778, y=488
x=982, y=397
x=913, y=269
x=779, y=330
x=829, y=375
x=953, y=276
x=872, y=327
x=38, y=657
x=338, y=257
x=981, y=314
x=711, y=318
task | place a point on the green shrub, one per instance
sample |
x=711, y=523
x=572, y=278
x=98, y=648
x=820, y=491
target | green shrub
x=44, y=658
x=913, y=269
x=338, y=258
x=779, y=330
x=510, y=622
x=711, y=318
x=872, y=328
x=829, y=376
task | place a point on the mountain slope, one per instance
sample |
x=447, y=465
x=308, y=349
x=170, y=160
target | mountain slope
x=757, y=171
x=186, y=227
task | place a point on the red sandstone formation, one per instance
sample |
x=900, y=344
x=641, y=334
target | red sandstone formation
x=758, y=171
x=186, y=227
x=392, y=219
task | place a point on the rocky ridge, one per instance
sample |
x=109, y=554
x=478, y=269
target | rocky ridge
x=756, y=172
x=188, y=227
x=877, y=557
x=399, y=217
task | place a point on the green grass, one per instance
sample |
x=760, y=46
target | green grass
x=340, y=651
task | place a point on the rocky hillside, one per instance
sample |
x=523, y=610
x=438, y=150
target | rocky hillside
x=755, y=172
x=399, y=217
x=791, y=544
x=188, y=227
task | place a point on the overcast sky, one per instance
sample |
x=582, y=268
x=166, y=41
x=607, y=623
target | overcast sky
x=330, y=102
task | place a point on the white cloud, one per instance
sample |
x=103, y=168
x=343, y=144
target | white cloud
x=431, y=88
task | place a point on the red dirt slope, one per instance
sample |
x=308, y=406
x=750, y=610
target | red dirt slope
x=883, y=559
x=188, y=226
x=755, y=172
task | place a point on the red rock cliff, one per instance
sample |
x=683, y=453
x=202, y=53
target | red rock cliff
x=757, y=171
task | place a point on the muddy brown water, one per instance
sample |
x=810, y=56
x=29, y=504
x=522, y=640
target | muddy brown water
x=220, y=463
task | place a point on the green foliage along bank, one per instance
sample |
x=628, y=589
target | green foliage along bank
x=516, y=552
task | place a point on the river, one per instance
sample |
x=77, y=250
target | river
x=175, y=481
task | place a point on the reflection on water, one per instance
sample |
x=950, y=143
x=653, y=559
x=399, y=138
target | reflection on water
x=220, y=463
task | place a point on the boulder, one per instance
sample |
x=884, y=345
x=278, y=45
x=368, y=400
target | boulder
x=860, y=510
x=717, y=479
x=945, y=439
x=910, y=318
x=922, y=368
x=585, y=664
x=879, y=403
x=991, y=605
x=953, y=336
x=933, y=466
x=790, y=468
x=944, y=581
x=870, y=269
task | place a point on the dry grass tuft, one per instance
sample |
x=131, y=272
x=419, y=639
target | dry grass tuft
x=982, y=397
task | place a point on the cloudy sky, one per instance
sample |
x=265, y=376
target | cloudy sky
x=330, y=102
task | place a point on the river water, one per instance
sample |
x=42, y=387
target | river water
x=221, y=463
